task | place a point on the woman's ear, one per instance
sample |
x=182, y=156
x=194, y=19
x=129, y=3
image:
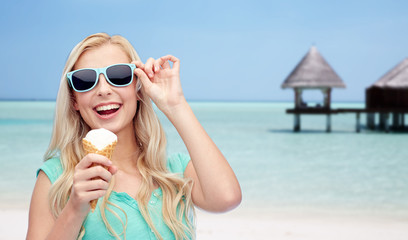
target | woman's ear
x=74, y=102
x=76, y=106
x=139, y=95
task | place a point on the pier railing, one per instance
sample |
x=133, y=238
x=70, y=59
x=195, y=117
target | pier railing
x=398, y=116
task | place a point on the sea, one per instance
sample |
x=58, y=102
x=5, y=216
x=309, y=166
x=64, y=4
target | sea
x=342, y=171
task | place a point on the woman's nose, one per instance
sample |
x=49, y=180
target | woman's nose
x=103, y=87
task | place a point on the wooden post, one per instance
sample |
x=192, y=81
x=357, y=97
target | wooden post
x=327, y=98
x=328, y=123
x=401, y=121
x=371, y=120
x=296, y=127
x=395, y=120
x=386, y=123
x=298, y=97
x=357, y=122
x=382, y=121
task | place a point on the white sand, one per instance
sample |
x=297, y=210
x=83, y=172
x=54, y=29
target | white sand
x=240, y=225
x=13, y=224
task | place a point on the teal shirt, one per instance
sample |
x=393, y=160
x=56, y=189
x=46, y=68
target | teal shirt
x=137, y=227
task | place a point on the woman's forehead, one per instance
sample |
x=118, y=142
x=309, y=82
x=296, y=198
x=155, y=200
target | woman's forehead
x=101, y=56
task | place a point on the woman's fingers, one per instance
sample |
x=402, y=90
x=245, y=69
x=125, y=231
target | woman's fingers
x=98, y=172
x=149, y=67
x=164, y=62
x=92, y=185
x=143, y=78
x=91, y=180
x=93, y=158
x=113, y=169
x=84, y=197
x=138, y=64
x=153, y=66
x=93, y=166
x=166, y=65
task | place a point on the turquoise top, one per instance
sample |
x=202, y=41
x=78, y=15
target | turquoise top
x=137, y=227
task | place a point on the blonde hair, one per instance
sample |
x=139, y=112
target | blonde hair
x=66, y=142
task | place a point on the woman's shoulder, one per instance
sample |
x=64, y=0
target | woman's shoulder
x=52, y=168
x=177, y=163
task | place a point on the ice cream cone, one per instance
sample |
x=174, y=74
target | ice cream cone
x=106, y=151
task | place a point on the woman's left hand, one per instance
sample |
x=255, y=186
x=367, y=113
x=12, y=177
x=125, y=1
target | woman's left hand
x=161, y=81
x=215, y=187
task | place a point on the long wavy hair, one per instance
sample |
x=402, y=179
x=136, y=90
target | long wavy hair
x=66, y=143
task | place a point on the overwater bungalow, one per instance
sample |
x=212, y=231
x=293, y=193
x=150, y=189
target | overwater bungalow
x=311, y=73
x=389, y=95
x=386, y=97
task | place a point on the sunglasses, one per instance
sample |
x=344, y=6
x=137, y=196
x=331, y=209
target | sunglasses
x=118, y=75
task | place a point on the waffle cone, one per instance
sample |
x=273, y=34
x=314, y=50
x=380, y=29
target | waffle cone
x=107, y=152
x=90, y=148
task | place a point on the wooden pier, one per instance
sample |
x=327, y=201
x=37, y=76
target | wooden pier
x=398, y=117
x=387, y=97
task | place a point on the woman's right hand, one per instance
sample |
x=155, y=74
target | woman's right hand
x=91, y=181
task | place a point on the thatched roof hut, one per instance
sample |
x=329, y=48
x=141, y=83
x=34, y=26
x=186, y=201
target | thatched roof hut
x=397, y=77
x=313, y=72
x=391, y=90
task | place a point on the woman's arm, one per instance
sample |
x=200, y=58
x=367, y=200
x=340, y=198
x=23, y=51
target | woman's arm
x=216, y=187
x=42, y=224
x=40, y=217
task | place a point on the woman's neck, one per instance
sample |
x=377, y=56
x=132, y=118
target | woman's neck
x=127, y=149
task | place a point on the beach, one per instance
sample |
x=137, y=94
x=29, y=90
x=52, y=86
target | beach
x=238, y=225
x=298, y=227
x=309, y=185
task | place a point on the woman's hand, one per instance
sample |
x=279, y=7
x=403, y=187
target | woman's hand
x=161, y=81
x=91, y=181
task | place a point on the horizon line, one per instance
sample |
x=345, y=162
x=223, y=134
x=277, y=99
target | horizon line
x=192, y=100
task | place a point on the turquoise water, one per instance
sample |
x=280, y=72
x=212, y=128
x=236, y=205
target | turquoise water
x=278, y=169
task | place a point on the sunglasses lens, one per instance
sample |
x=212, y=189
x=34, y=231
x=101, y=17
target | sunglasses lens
x=84, y=79
x=119, y=74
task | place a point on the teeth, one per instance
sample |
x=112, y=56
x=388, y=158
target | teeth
x=107, y=107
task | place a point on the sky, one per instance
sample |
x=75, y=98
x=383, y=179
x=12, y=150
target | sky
x=229, y=50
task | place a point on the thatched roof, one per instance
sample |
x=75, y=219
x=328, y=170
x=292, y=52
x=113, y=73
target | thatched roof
x=313, y=71
x=395, y=78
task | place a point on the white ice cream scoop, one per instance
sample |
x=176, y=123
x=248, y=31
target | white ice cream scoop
x=101, y=138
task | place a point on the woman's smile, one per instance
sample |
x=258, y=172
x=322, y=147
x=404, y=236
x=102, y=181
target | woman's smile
x=107, y=111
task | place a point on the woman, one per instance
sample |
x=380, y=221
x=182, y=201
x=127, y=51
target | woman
x=143, y=194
